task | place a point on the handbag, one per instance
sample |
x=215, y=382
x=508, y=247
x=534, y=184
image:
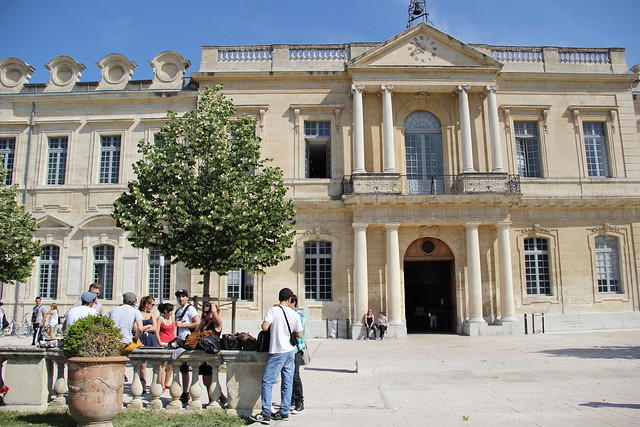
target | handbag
x=306, y=359
x=293, y=340
x=246, y=341
x=230, y=342
x=262, y=342
x=210, y=344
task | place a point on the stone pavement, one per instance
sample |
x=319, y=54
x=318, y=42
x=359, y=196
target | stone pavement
x=569, y=379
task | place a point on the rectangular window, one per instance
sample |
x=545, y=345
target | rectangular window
x=7, y=157
x=57, y=163
x=317, y=137
x=317, y=270
x=537, y=272
x=527, y=149
x=240, y=285
x=595, y=145
x=159, y=275
x=607, y=264
x=103, y=269
x=109, y=159
x=49, y=266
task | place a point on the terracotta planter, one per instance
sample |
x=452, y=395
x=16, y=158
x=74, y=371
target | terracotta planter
x=96, y=387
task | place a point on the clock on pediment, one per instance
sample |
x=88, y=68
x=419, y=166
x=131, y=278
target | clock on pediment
x=422, y=48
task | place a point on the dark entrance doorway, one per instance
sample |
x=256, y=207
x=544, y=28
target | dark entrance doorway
x=428, y=291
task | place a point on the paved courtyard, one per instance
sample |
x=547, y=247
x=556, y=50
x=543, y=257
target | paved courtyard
x=570, y=379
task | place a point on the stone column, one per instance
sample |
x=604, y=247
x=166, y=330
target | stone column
x=494, y=130
x=465, y=129
x=473, y=267
x=393, y=274
x=506, y=276
x=360, y=277
x=389, y=158
x=358, y=129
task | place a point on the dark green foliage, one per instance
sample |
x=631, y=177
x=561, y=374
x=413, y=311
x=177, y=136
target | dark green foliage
x=92, y=336
x=204, y=196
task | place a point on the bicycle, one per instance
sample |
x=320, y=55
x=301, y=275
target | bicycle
x=20, y=329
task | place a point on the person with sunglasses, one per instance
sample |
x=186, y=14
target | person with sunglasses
x=149, y=327
x=211, y=321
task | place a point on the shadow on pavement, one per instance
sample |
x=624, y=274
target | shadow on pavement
x=611, y=405
x=57, y=419
x=339, y=371
x=609, y=352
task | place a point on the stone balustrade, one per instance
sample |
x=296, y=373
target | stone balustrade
x=245, y=54
x=515, y=54
x=584, y=56
x=37, y=381
x=314, y=53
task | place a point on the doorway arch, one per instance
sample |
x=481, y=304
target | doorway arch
x=429, y=293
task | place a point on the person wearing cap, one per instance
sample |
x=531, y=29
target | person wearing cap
x=97, y=305
x=186, y=319
x=88, y=300
x=126, y=317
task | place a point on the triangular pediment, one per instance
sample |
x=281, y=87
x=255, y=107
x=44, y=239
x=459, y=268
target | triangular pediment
x=423, y=45
x=49, y=222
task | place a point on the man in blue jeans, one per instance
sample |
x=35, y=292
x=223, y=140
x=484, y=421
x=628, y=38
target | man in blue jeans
x=283, y=322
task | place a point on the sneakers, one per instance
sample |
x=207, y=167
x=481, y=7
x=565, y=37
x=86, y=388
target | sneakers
x=297, y=408
x=277, y=416
x=261, y=418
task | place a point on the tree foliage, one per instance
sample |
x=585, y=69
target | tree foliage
x=204, y=196
x=18, y=249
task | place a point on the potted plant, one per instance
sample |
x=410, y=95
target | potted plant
x=95, y=370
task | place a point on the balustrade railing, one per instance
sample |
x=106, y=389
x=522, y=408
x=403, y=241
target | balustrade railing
x=584, y=56
x=530, y=55
x=37, y=379
x=241, y=54
x=313, y=53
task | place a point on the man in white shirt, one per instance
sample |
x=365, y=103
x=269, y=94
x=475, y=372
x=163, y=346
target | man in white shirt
x=97, y=305
x=88, y=300
x=125, y=317
x=283, y=323
x=187, y=319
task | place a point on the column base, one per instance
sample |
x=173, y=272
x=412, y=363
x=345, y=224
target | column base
x=473, y=327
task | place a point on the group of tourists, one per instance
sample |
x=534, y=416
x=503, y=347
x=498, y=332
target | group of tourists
x=373, y=323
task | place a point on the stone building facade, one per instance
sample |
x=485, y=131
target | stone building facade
x=455, y=187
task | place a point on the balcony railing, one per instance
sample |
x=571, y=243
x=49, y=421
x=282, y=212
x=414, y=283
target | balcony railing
x=466, y=183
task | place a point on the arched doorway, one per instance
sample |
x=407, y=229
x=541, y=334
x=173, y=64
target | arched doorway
x=429, y=293
x=423, y=153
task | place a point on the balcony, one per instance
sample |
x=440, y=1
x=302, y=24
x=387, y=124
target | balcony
x=465, y=183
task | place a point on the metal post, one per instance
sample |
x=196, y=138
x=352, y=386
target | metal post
x=526, y=330
x=337, y=328
x=233, y=316
x=533, y=323
x=543, y=323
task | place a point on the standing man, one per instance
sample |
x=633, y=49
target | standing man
x=37, y=320
x=125, y=317
x=88, y=300
x=187, y=320
x=97, y=305
x=280, y=319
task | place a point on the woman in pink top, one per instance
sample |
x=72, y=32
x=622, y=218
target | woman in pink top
x=166, y=333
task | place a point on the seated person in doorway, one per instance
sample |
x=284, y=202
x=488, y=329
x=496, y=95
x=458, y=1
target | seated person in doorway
x=369, y=320
x=382, y=324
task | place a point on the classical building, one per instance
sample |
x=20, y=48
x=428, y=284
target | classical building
x=456, y=187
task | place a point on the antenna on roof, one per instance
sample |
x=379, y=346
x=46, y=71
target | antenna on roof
x=417, y=11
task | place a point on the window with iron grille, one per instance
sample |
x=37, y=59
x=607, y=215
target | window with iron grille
x=57, y=162
x=159, y=275
x=527, y=149
x=240, y=285
x=536, y=263
x=317, y=136
x=49, y=267
x=317, y=270
x=7, y=157
x=103, y=269
x=608, y=264
x=109, y=159
x=595, y=145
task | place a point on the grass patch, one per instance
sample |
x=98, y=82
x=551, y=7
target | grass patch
x=127, y=418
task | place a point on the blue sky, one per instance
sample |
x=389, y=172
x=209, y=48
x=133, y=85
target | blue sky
x=39, y=30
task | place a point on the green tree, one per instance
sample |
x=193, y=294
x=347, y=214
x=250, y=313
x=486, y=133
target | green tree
x=204, y=196
x=18, y=249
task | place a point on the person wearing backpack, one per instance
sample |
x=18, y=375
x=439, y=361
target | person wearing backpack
x=285, y=328
x=186, y=319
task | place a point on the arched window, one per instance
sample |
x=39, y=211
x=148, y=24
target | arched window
x=423, y=153
x=159, y=275
x=317, y=270
x=607, y=264
x=49, y=266
x=103, y=269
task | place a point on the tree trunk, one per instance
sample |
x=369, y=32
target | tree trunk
x=205, y=285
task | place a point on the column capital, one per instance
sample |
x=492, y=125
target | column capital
x=472, y=225
x=359, y=226
x=502, y=225
x=386, y=88
x=392, y=226
x=491, y=89
x=357, y=87
x=463, y=88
